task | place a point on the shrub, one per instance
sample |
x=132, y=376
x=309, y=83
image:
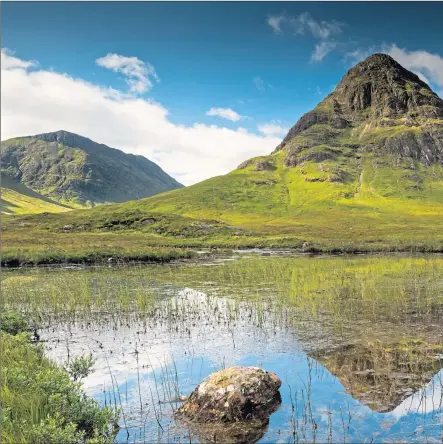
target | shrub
x=80, y=367
x=40, y=402
x=13, y=323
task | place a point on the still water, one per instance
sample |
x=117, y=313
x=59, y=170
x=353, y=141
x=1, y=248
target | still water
x=357, y=342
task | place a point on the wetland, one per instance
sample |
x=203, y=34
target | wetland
x=357, y=341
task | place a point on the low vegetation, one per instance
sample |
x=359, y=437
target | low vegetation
x=41, y=402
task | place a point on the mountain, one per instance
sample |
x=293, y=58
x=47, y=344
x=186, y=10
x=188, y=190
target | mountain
x=76, y=171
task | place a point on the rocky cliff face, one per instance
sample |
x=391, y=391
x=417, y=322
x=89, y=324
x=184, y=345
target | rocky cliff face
x=384, y=87
x=378, y=106
x=73, y=169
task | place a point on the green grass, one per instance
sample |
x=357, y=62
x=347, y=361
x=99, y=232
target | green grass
x=40, y=403
x=33, y=247
x=16, y=198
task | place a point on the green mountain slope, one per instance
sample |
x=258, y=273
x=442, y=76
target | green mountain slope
x=76, y=171
x=368, y=158
x=18, y=199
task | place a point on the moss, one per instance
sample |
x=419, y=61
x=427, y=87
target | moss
x=425, y=92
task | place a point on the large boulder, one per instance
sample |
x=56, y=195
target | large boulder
x=234, y=394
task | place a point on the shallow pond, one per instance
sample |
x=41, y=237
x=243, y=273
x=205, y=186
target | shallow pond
x=357, y=341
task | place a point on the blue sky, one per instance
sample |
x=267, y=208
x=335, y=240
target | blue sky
x=257, y=65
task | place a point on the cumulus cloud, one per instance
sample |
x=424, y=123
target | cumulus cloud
x=138, y=75
x=306, y=24
x=225, y=113
x=425, y=64
x=10, y=62
x=37, y=100
x=273, y=129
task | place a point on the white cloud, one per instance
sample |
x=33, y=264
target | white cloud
x=259, y=83
x=225, y=113
x=273, y=129
x=423, y=63
x=321, y=50
x=139, y=75
x=10, y=62
x=306, y=24
x=359, y=54
x=275, y=21
x=36, y=101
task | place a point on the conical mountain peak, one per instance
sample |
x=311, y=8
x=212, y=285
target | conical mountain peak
x=377, y=91
x=382, y=85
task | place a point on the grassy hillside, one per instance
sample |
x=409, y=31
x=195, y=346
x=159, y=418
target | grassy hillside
x=377, y=199
x=18, y=199
x=366, y=165
x=76, y=171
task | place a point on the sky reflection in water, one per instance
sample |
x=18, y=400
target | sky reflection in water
x=143, y=360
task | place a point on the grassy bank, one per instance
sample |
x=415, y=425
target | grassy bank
x=50, y=239
x=24, y=246
x=41, y=402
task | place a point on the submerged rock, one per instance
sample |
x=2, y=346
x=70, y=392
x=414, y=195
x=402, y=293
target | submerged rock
x=234, y=394
x=242, y=432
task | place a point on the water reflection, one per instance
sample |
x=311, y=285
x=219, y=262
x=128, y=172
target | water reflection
x=357, y=342
x=352, y=390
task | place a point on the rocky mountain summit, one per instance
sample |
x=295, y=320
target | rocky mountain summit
x=378, y=105
x=367, y=159
x=74, y=170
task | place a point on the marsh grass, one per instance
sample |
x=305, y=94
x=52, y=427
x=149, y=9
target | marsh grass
x=382, y=289
x=41, y=404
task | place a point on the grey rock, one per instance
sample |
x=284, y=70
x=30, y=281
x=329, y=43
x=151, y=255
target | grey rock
x=234, y=394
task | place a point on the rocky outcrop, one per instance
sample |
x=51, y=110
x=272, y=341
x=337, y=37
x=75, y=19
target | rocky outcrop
x=388, y=89
x=264, y=165
x=425, y=146
x=232, y=395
